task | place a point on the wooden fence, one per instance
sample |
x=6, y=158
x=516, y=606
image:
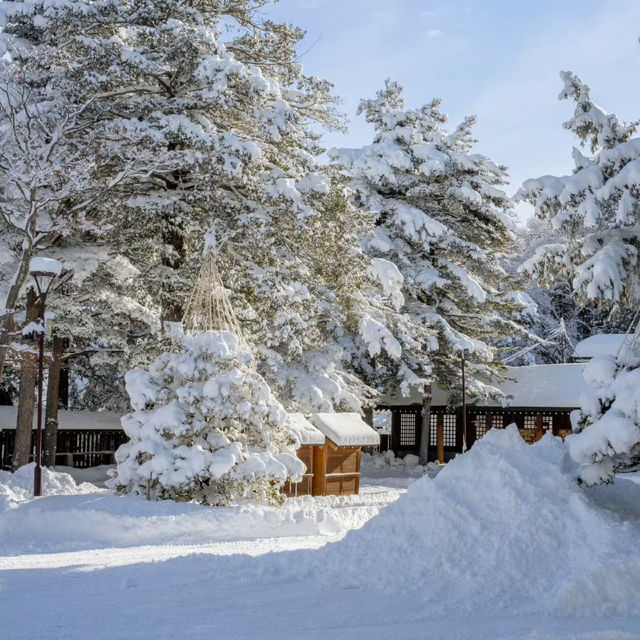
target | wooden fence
x=76, y=447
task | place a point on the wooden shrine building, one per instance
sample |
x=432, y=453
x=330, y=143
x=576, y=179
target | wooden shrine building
x=538, y=398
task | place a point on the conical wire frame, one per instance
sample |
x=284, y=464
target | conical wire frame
x=208, y=308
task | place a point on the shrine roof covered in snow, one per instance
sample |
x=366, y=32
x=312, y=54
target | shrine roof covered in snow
x=543, y=386
x=346, y=429
x=78, y=420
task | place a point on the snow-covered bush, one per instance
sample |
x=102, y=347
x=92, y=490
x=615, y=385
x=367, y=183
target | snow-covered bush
x=205, y=427
x=608, y=426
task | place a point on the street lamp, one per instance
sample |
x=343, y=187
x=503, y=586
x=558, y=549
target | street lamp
x=44, y=272
x=464, y=401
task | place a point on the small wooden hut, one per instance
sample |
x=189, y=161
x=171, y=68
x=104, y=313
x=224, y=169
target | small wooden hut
x=310, y=439
x=336, y=464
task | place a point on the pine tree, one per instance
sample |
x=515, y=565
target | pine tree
x=442, y=219
x=594, y=210
x=205, y=427
x=211, y=100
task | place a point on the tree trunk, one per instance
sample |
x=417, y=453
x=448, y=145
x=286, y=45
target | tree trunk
x=26, y=400
x=425, y=428
x=53, y=401
x=8, y=323
x=63, y=393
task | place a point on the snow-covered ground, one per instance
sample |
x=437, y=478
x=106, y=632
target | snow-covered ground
x=500, y=544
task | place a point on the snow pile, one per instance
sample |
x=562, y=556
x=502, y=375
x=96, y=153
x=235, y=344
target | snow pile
x=503, y=527
x=18, y=487
x=205, y=427
x=74, y=517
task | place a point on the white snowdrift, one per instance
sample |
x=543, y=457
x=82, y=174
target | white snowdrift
x=18, y=487
x=506, y=528
x=74, y=517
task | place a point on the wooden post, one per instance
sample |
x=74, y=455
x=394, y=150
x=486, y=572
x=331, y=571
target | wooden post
x=440, y=437
x=319, y=469
x=425, y=427
x=539, y=432
x=395, y=430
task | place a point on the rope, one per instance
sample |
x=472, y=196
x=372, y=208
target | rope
x=208, y=308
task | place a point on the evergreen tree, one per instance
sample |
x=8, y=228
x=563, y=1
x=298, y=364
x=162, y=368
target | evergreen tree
x=205, y=427
x=210, y=99
x=442, y=219
x=594, y=210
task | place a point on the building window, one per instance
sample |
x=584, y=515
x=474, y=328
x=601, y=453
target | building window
x=530, y=427
x=480, y=423
x=407, y=429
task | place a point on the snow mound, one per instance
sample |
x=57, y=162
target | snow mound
x=18, y=487
x=504, y=527
x=72, y=517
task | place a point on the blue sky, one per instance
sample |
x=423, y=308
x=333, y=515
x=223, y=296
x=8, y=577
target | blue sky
x=496, y=59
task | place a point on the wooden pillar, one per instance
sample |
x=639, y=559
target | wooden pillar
x=440, y=437
x=471, y=429
x=395, y=430
x=424, y=426
x=319, y=469
x=539, y=432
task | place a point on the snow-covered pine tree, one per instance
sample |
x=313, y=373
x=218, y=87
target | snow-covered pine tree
x=442, y=219
x=606, y=436
x=205, y=427
x=212, y=97
x=553, y=312
x=595, y=209
x=595, y=213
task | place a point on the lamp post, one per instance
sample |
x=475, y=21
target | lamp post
x=44, y=271
x=464, y=402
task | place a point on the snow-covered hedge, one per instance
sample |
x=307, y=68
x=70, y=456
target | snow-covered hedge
x=205, y=427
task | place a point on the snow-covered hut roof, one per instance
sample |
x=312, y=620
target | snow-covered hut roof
x=304, y=430
x=542, y=385
x=601, y=344
x=346, y=429
x=84, y=420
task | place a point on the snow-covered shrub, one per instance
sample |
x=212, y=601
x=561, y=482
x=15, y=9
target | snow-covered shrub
x=205, y=427
x=608, y=425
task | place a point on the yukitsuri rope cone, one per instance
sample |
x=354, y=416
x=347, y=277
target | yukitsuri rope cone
x=208, y=308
